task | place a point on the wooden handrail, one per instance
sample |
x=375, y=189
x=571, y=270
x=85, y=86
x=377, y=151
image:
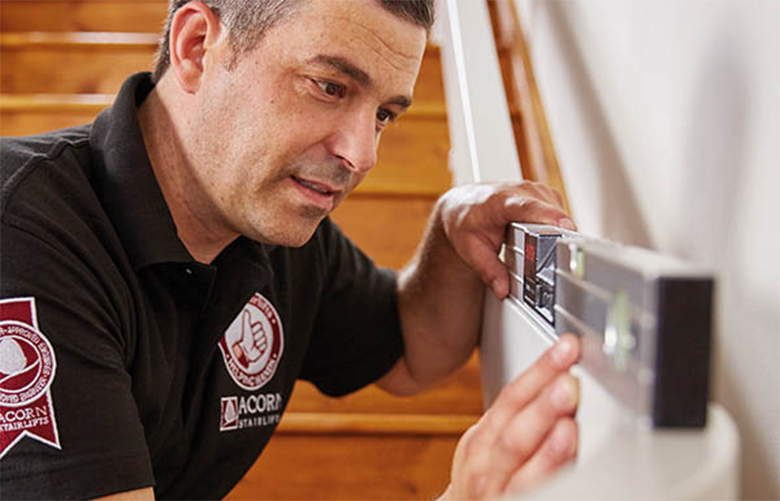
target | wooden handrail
x=532, y=134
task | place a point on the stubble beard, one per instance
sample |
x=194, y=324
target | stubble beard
x=309, y=216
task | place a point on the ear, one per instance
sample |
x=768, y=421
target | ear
x=195, y=32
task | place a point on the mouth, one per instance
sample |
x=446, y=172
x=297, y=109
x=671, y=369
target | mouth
x=321, y=194
x=322, y=189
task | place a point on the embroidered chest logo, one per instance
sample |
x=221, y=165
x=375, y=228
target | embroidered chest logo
x=27, y=368
x=253, y=343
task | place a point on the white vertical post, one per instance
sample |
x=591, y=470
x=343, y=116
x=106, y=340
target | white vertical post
x=481, y=137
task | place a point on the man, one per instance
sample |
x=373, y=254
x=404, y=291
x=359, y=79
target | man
x=170, y=271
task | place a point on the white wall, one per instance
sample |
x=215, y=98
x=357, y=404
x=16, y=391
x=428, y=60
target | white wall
x=666, y=119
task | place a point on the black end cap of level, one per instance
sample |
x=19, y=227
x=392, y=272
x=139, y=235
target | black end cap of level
x=684, y=344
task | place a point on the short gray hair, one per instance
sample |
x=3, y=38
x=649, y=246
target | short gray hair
x=249, y=20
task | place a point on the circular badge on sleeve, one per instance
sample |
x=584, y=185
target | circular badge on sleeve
x=26, y=364
x=253, y=343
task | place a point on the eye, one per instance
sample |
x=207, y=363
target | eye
x=331, y=89
x=384, y=116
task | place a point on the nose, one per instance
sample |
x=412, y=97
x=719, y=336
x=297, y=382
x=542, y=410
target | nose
x=355, y=142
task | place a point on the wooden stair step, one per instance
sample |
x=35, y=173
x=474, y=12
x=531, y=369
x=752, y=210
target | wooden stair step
x=412, y=154
x=355, y=456
x=68, y=63
x=351, y=423
x=460, y=394
x=24, y=115
x=98, y=63
x=347, y=467
x=83, y=15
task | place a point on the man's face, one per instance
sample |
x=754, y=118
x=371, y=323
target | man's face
x=286, y=134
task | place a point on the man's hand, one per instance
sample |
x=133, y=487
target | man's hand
x=440, y=292
x=474, y=219
x=528, y=433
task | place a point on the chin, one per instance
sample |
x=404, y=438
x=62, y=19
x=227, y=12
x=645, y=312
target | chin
x=287, y=234
x=297, y=240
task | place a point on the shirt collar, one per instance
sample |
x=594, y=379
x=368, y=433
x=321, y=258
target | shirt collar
x=124, y=177
x=131, y=196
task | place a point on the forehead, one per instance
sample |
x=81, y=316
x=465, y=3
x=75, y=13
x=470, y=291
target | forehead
x=361, y=31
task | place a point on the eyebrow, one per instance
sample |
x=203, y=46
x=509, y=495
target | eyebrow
x=361, y=77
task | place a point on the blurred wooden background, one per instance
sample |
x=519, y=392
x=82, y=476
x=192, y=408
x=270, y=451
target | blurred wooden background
x=61, y=62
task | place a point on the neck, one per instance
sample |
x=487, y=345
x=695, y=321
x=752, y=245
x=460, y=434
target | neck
x=198, y=224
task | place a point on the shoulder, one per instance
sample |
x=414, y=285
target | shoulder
x=33, y=168
x=53, y=222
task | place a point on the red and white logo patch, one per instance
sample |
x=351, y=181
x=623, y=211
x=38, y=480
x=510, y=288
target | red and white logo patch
x=27, y=368
x=253, y=343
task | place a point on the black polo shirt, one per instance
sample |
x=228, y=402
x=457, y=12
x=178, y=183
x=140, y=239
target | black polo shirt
x=123, y=362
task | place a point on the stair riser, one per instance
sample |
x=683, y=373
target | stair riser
x=85, y=15
x=386, y=228
x=92, y=68
x=461, y=395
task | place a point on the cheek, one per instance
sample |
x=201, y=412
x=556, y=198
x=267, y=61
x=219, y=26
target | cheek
x=269, y=133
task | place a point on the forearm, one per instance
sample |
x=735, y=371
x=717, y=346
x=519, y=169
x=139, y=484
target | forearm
x=440, y=303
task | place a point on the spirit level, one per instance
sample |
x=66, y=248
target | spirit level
x=644, y=318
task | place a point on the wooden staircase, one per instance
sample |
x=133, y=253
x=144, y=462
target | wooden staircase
x=61, y=62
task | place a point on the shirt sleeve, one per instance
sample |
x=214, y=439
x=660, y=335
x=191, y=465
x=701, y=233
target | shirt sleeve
x=99, y=446
x=357, y=336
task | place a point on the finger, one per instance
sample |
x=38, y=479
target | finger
x=556, y=360
x=528, y=429
x=531, y=210
x=472, y=462
x=567, y=224
x=483, y=258
x=558, y=449
x=522, y=390
x=549, y=195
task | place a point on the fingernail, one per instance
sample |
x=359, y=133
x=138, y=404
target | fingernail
x=564, y=394
x=567, y=224
x=562, y=351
